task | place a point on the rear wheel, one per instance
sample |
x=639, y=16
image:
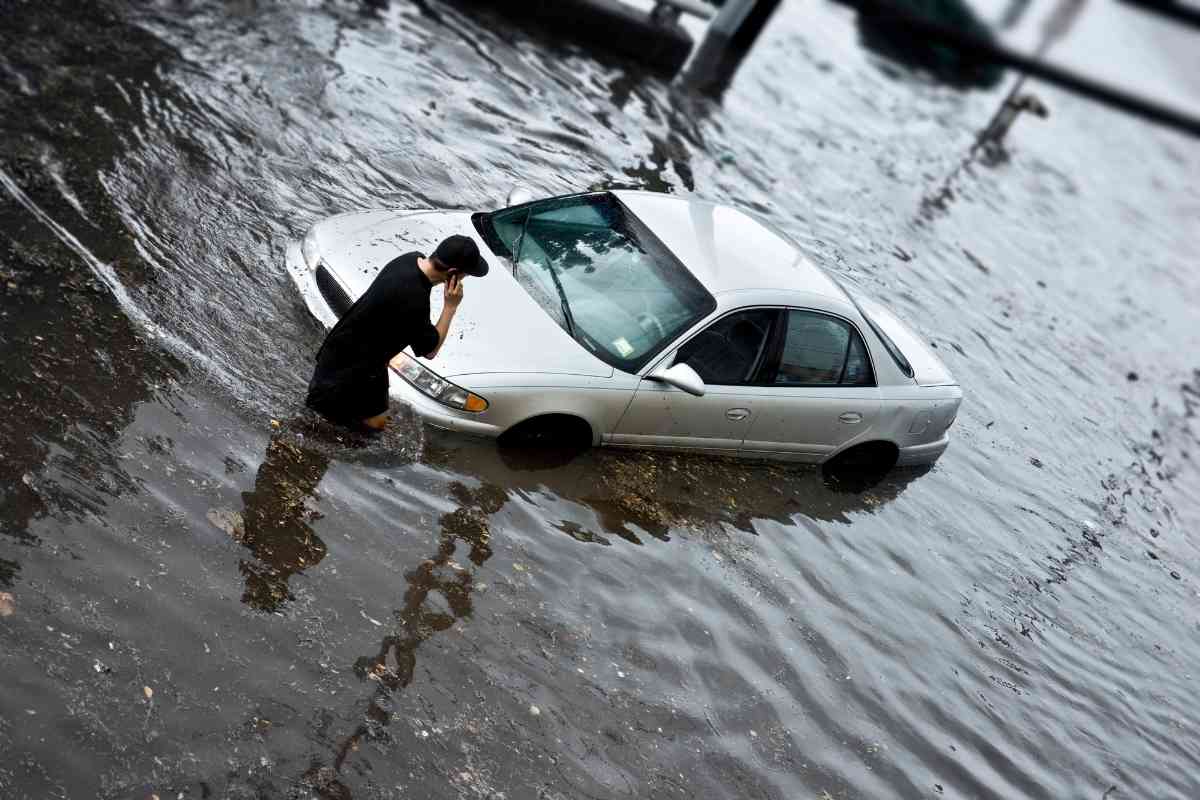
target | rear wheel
x=860, y=467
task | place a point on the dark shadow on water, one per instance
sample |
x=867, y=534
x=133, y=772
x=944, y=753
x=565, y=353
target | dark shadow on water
x=275, y=521
x=276, y=517
x=655, y=491
x=881, y=479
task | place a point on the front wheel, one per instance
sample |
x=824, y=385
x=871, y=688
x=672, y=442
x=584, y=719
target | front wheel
x=545, y=442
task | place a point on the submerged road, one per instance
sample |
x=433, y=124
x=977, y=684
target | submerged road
x=197, y=602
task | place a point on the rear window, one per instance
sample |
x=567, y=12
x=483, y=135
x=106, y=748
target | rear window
x=889, y=345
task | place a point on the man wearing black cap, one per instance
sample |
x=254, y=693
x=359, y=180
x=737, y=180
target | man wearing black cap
x=350, y=383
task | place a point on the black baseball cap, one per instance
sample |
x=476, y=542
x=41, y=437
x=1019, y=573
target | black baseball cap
x=461, y=253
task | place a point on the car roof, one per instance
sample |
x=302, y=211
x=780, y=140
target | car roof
x=727, y=249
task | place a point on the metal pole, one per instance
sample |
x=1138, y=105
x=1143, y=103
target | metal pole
x=730, y=17
x=729, y=37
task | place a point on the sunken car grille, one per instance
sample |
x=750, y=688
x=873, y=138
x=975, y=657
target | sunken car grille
x=335, y=296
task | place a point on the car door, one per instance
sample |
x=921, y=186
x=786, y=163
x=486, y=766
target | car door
x=728, y=355
x=819, y=391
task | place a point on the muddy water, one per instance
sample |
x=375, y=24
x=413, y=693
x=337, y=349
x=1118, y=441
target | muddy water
x=198, y=602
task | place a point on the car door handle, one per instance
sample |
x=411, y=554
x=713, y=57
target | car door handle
x=737, y=413
x=851, y=417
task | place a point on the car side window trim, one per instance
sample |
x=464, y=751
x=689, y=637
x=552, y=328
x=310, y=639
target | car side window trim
x=765, y=362
x=846, y=357
x=770, y=366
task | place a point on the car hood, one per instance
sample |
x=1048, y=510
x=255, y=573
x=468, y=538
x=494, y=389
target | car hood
x=928, y=369
x=498, y=327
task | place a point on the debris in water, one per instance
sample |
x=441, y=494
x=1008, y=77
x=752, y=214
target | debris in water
x=7, y=604
x=535, y=711
x=146, y=690
x=229, y=521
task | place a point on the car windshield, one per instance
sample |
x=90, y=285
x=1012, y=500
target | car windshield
x=600, y=273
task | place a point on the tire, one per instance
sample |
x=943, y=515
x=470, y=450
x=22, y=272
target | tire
x=860, y=467
x=545, y=442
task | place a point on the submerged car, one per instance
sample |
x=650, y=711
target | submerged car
x=636, y=319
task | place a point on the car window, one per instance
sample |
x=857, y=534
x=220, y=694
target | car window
x=731, y=350
x=819, y=350
x=600, y=273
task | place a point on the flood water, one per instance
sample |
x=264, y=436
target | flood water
x=203, y=595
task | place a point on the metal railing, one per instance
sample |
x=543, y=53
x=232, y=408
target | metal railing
x=982, y=50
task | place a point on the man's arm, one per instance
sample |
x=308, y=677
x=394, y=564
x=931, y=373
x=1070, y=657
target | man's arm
x=454, y=296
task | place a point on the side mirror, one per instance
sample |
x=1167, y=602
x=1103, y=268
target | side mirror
x=518, y=195
x=681, y=376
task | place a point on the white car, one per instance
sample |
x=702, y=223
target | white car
x=635, y=319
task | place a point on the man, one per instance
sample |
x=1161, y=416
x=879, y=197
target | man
x=350, y=383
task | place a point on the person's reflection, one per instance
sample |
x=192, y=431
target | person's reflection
x=393, y=663
x=653, y=493
x=276, y=519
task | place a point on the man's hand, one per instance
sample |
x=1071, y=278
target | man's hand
x=454, y=291
x=453, y=296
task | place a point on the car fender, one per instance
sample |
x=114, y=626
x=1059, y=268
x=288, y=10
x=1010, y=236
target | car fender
x=598, y=402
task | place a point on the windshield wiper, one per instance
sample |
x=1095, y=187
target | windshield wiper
x=562, y=295
x=520, y=241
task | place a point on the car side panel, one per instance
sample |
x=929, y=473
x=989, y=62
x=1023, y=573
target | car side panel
x=809, y=423
x=515, y=398
x=662, y=416
x=914, y=418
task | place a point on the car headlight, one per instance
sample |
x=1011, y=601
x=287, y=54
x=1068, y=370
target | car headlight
x=309, y=249
x=435, y=386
